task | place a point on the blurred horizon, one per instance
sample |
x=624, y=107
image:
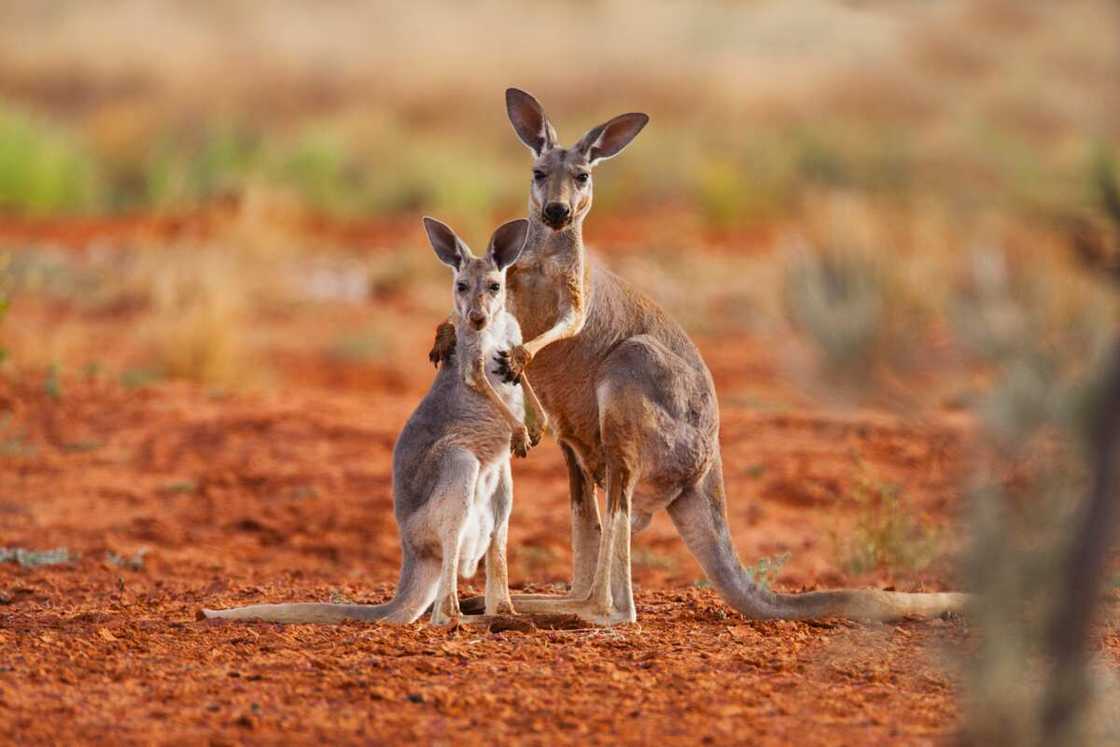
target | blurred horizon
x=891, y=228
x=358, y=110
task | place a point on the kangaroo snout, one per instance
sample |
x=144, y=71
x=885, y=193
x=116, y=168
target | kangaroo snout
x=477, y=319
x=556, y=214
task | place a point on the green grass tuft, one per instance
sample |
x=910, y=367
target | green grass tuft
x=43, y=169
x=766, y=570
x=887, y=534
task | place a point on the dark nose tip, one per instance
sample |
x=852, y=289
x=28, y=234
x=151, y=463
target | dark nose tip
x=557, y=212
x=477, y=317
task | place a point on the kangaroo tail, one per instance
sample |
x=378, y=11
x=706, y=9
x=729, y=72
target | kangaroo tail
x=416, y=591
x=700, y=515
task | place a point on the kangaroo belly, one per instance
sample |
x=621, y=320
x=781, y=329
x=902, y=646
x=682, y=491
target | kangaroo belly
x=480, y=521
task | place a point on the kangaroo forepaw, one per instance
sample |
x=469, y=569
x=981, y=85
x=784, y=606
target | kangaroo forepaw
x=504, y=370
x=520, y=442
x=512, y=363
x=444, y=346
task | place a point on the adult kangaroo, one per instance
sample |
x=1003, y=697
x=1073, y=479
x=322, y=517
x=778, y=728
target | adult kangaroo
x=631, y=403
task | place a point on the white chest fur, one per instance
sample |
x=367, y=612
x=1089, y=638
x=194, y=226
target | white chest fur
x=501, y=334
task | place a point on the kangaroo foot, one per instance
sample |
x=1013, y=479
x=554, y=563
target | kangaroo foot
x=477, y=605
x=533, y=605
x=549, y=611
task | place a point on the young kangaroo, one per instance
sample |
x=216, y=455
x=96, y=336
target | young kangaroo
x=452, y=488
x=631, y=401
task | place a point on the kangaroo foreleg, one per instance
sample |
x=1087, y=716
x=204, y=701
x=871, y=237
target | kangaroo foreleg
x=536, y=419
x=572, y=314
x=476, y=379
x=443, y=347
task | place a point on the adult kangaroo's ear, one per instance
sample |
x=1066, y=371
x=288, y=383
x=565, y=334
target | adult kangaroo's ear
x=608, y=139
x=529, y=121
x=449, y=248
x=508, y=241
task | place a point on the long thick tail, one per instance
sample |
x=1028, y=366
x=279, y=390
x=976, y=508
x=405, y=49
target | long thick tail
x=700, y=515
x=416, y=591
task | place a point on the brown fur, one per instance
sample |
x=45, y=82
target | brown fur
x=632, y=404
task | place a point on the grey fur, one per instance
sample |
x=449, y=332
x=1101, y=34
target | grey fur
x=452, y=489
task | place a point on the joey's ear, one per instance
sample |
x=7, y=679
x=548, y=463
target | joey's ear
x=508, y=241
x=608, y=139
x=529, y=121
x=449, y=248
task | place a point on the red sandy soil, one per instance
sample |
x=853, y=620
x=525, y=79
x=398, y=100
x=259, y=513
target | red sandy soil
x=620, y=233
x=286, y=496
x=248, y=499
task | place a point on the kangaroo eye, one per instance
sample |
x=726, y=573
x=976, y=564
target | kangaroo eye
x=538, y=175
x=461, y=287
x=495, y=287
x=582, y=177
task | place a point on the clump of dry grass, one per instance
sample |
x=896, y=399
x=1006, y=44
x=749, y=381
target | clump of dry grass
x=887, y=534
x=899, y=100
x=196, y=328
x=860, y=285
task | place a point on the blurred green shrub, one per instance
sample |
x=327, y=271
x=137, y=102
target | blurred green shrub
x=1049, y=362
x=888, y=534
x=44, y=170
x=747, y=172
x=839, y=300
x=190, y=169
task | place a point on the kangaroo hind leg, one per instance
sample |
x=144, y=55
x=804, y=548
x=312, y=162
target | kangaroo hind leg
x=447, y=517
x=497, y=571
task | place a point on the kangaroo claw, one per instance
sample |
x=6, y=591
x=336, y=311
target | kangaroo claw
x=512, y=363
x=520, y=443
x=504, y=369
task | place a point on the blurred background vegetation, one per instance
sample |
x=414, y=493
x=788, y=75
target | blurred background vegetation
x=905, y=204
x=840, y=154
x=364, y=109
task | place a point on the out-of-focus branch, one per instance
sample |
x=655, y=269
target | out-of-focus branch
x=1085, y=569
x=1109, y=189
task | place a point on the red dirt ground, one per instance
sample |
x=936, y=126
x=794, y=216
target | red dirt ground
x=245, y=500
x=254, y=497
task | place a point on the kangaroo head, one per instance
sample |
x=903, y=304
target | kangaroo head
x=479, y=282
x=561, y=187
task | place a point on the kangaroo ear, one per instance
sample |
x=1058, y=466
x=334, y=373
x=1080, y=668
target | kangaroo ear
x=449, y=248
x=529, y=121
x=608, y=139
x=508, y=241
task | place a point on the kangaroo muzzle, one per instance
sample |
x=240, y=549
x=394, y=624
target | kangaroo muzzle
x=556, y=215
x=477, y=319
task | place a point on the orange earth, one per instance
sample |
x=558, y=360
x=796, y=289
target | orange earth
x=286, y=496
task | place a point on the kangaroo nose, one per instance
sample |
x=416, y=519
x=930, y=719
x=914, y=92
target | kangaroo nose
x=477, y=318
x=557, y=212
